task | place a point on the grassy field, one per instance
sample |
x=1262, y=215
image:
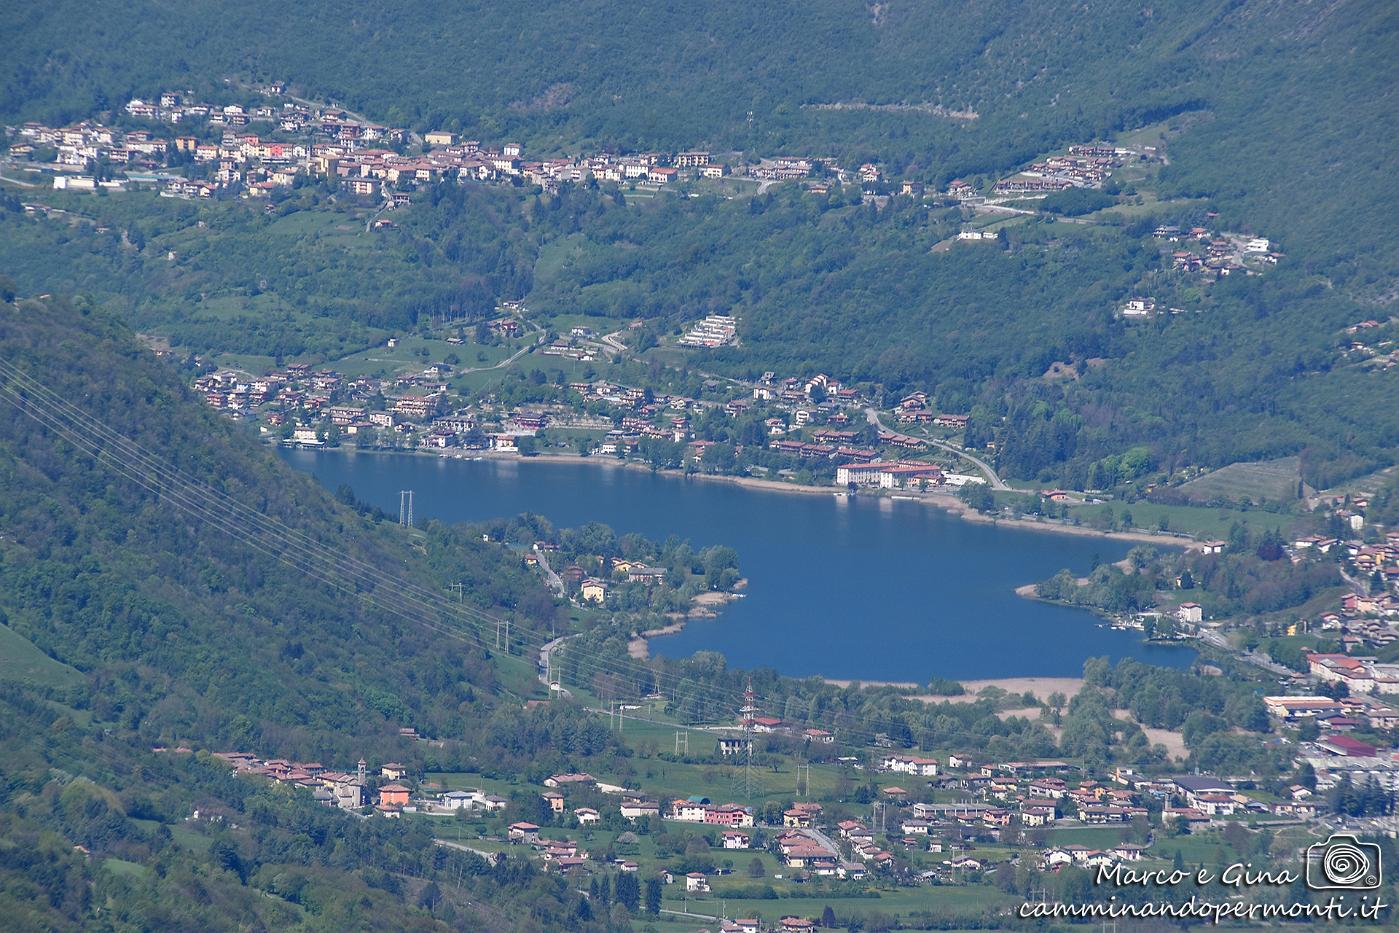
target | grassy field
x=124, y=869
x=1095, y=836
x=945, y=900
x=1273, y=480
x=407, y=356
x=465, y=780
x=21, y=661
x=1197, y=521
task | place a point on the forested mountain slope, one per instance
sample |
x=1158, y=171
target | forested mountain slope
x=193, y=628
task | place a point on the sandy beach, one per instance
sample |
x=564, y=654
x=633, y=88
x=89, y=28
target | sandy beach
x=640, y=649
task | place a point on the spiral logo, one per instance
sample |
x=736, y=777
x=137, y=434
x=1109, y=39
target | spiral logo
x=1343, y=862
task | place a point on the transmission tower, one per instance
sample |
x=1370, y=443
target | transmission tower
x=879, y=811
x=744, y=785
x=803, y=788
x=682, y=742
x=405, y=508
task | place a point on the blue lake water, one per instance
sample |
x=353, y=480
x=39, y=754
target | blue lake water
x=856, y=588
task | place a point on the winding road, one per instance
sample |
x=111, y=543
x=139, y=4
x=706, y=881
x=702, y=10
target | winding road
x=982, y=465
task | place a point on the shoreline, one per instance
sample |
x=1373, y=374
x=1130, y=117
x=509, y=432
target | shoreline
x=1040, y=686
x=702, y=606
x=947, y=502
x=954, y=506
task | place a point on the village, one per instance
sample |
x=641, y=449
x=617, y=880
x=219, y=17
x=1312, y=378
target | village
x=786, y=424
x=182, y=154
x=188, y=148
x=925, y=820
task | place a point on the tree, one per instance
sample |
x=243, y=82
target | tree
x=1236, y=836
x=653, y=896
x=1271, y=546
x=1306, y=776
x=828, y=917
x=628, y=891
x=755, y=868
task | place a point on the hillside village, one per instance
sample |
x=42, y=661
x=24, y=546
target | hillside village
x=188, y=148
x=195, y=149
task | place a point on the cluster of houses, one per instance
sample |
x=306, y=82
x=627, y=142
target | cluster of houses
x=1372, y=343
x=716, y=330
x=804, y=849
x=1356, y=686
x=810, y=419
x=294, y=139
x=302, y=140
x=308, y=404
x=1335, y=753
x=346, y=790
x=311, y=401
x=1084, y=166
x=1216, y=255
x=1358, y=674
x=1362, y=619
x=1139, y=308
x=701, y=810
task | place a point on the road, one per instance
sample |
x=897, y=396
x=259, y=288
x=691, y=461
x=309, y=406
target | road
x=505, y=362
x=1216, y=640
x=16, y=181
x=981, y=465
x=413, y=138
x=614, y=341
x=447, y=844
x=545, y=651
x=1002, y=209
x=555, y=581
x=825, y=840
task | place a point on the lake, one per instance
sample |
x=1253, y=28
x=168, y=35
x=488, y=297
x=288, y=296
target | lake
x=862, y=588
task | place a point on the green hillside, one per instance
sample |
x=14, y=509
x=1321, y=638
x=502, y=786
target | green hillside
x=188, y=614
x=21, y=661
